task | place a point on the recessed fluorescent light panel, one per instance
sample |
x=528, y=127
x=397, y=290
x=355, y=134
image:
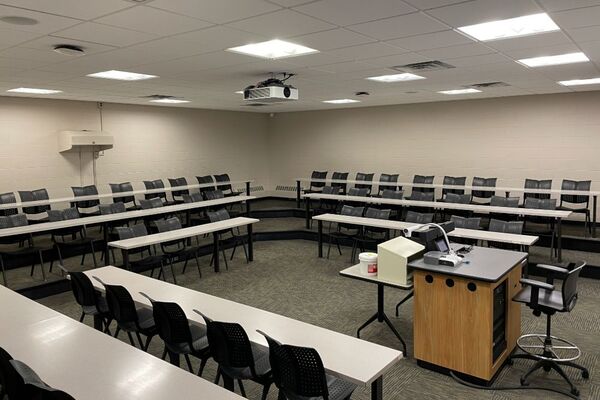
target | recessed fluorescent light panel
x=554, y=60
x=510, y=28
x=240, y=92
x=34, y=91
x=459, y=91
x=273, y=49
x=341, y=101
x=121, y=75
x=169, y=101
x=579, y=82
x=396, y=77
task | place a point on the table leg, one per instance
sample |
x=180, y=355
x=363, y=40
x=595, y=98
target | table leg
x=307, y=202
x=247, y=188
x=125, y=259
x=216, y=251
x=248, y=208
x=595, y=204
x=250, y=246
x=377, y=389
x=298, y=190
x=404, y=300
x=320, y=225
x=105, y=236
x=559, y=238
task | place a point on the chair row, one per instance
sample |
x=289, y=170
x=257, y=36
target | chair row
x=297, y=372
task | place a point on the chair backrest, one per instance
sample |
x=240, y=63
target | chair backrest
x=318, y=175
x=331, y=190
x=169, y=224
x=392, y=194
x=300, y=371
x=9, y=379
x=129, y=232
x=229, y=345
x=537, y=184
x=568, y=184
x=83, y=289
x=377, y=213
x=177, y=182
x=487, y=182
x=457, y=198
x=8, y=198
x=151, y=203
x=63, y=215
x=500, y=201
x=80, y=191
x=171, y=322
x=340, y=176
x=121, y=304
x=122, y=188
x=515, y=227
x=360, y=192
x=421, y=195
x=35, y=195
x=152, y=185
x=352, y=211
x=13, y=221
x=219, y=215
x=465, y=223
x=224, y=178
x=428, y=179
x=193, y=197
x=113, y=208
x=214, y=194
x=569, y=286
x=361, y=176
x=542, y=204
x=418, y=218
x=206, y=179
x=387, y=178
x=455, y=181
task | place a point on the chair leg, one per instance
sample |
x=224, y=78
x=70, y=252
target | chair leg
x=265, y=391
x=562, y=373
x=131, y=339
x=3, y=271
x=82, y=317
x=198, y=265
x=172, y=271
x=241, y=385
x=202, y=365
x=280, y=396
x=42, y=265
x=188, y=362
x=218, y=377
x=164, y=354
x=117, y=331
x=94, y=255
x=185, y=265
x=139, y=338
x=225, y=258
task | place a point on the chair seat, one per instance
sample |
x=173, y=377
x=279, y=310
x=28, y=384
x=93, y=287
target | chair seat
x=575, y=210
x=93, y=310
x=262, y=366
x=199, y=342
x=145, y=263
x=551, y=300
x=77, y=242
x=23, y=251
x=145, y=322
x=338, y=390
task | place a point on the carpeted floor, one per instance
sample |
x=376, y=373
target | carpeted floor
x=287, y=278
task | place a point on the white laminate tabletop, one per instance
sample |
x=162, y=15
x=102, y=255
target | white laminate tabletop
x=184, y=233
x=88, y=364
x=445, y=205
x=345, y=356
x=512, y=238
x=100, y=219
x=354, y=273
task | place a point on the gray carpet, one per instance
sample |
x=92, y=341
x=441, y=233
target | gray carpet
x=287, y=278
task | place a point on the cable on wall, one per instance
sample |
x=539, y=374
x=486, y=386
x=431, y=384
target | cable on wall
x=96, y=154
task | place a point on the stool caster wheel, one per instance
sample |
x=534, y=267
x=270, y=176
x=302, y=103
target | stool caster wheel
x=524, y=383
x=585, y=374
x=575, y=392
x=547, y=368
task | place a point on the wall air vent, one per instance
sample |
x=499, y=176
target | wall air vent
x=423, y=66
x=488, y=85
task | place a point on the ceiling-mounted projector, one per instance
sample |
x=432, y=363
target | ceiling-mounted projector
x=272, y=90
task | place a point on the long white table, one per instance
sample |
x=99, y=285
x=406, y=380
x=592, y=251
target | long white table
x=557, y=215
x=214, y=227
x=507, y=190
x=347, y=357
x=510, y=238
x=89, y=364
x=71, y=199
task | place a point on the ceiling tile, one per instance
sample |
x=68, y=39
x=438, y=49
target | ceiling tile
x=477, y=60
x=195, y=63
x=282, y=24
x=355, y=11
x=345, y=67
x=463, y=50
x=25, y=53
x=216, y=11
x=427, y=4
x=401, y=59
x=154, y=21
x=577, y=18
x=530, y=42
x=587, y=34
x=10, y=37
x=542, y=51
x=214, y=38
x=46, y=23
x=571, y=71
x=431, y=40
x=366, y=51
x=478, y=11
x=559, y=5
x=17, y=63
x=72, y=8
x=104, y=34
x=290, y=3
x=48, y=43
x=592, y=50
x=333, y=39
x=396, y=27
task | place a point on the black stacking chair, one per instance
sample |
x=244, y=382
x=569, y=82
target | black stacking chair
x=108, y=209
x=227, y=189
x=579, y=204
x=360, y=192
x=70, y=239
x=483, y=196
x=393, y=195
x=238, y=359
x=515, y=227
x=153, y=185
x=501, y=201
x=129, y=318
x=8, y=198
x=124, y=187
x=316, y=187
x=417, y=195
x=223, y=215
x=393, y=179
x=91, y=301
x=545, y=297
x=197, y=216
x=177, y=249
x=345, y=231
x=9, y=378
x=454, y=181
x=299, y=374
x=465, y=223
x=179, y=336
x=425, y=180
x=326, y=205
x=418, y=218
x=541, y=204
x=37, y=213
x=86, y=208
x=340, y=176
x=456, y=198
x=149, y=204
x=369, y=235
x=361, y=176
x=194, y=197
x=177, y=195
x=28, y=251
x=143, y=263
x=205, y=180
x=537, y=184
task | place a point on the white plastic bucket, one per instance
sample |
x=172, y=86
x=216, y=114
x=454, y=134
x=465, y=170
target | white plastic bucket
x=368, y=263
